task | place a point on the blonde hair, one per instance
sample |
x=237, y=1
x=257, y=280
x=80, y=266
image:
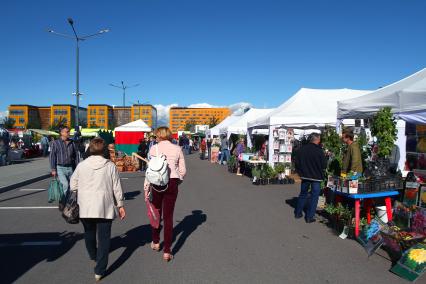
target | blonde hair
x=163, y=133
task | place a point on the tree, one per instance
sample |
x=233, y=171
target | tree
x=213, y=121
x=57, y=124
x=190, y=125
x=8, y=122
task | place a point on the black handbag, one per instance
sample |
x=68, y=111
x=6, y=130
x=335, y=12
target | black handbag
x=71, y=211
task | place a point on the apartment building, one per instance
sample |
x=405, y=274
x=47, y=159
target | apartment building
x=180, y=116
x=99, y=115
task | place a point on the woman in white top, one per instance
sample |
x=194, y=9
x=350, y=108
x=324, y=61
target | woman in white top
x=97, y=182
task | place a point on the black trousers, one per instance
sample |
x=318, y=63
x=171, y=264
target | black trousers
x=98, y=250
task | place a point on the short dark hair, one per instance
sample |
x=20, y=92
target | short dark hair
x=96, y=146
x=63, y=127
x=349, y=134
x=314, y=136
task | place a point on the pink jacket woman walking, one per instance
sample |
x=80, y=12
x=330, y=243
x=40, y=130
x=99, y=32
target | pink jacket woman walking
x=164, y=200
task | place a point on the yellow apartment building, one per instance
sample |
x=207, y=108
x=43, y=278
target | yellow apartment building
x=66, y=114
x=179, y=116
x=147, y=113
x=99, y=115
x=24, y=115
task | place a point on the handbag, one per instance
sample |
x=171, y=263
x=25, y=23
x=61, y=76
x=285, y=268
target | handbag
x=55, y=191
x=71, y=211
x=152, y=213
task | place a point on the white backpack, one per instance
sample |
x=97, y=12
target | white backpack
x=158, y=170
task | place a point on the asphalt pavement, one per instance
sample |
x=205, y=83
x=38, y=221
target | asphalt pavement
x=226, y=231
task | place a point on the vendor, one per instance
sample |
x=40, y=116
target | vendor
x=352, y=161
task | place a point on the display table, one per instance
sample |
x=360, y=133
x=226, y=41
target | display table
x=255, y=162
x=386, y=195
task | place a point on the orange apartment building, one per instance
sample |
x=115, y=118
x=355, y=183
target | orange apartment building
x=24, y=115
x=147, y=113
x=66, y=114
x=100, y=116
x=179, y=116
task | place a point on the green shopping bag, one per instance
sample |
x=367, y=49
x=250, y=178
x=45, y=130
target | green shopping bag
x=55, y=192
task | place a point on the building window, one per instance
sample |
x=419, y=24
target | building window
x=60, y=112
x=17, y=112
x=101, y=112
x=93, y=111
x=21, y=120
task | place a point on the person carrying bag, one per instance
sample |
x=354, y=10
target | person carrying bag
x=97, y=182
x=166, y=170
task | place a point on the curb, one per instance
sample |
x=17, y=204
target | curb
x=23, y=183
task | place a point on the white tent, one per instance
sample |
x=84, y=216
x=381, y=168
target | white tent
x=240, y=125
x=308, y=108
x=407, y=98
x=215, y=131
x=134, y=126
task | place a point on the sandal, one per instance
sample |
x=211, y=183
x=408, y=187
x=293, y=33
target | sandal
x=155, y=247
x=167, y=257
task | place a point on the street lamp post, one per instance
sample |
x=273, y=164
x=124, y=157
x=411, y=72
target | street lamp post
x=77, y=41
x=124, y=87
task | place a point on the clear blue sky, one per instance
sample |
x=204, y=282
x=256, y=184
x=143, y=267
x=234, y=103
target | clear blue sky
x=195, y=51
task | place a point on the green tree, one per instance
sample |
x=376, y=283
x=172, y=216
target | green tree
x=190, y=125
x=213, y=121
x=57, y=124
x=8, y=122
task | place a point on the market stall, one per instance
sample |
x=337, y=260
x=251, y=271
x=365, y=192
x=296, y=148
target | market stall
x=239, y=126
x=128, y=136
x=215, y=131
x=307, y=109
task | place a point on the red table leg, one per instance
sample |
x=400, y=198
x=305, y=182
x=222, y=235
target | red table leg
x=388, y=208
x=367, y=203
x=356, y=218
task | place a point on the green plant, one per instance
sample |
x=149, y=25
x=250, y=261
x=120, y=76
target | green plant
x=8, y=122
x=255, y=172
x=384, y=129
x=280, y=168
x=334, y=146
x=330, y=209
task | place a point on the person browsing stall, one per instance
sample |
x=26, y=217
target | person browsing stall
x=352, y=161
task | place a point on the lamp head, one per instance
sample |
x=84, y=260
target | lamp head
x=70, y=21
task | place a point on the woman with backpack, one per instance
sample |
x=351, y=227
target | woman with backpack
x=163, y=197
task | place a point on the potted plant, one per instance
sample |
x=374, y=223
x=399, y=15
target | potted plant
x=232, y=164
x=280, y=169
x=384, y=129
x=255, y=172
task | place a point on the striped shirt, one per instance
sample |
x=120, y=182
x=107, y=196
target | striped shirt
x=63, y=154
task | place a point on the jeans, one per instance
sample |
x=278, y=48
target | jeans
x=224, y=156
x=64, y=176
x=3, y=159
x=98, y=249
x=45, y=149
x=209, y=154
x=165, y=202
x=301, y=201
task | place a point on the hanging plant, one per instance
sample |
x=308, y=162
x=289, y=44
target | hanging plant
x=384, y=129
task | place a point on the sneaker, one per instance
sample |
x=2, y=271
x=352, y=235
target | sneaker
x=313, y=220
x=98, y=277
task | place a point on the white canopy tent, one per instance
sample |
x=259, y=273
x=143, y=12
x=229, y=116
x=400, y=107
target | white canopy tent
x=240, y=126
x=215, y=131
x=407, y=98
x=134, y=126
x=308, y=108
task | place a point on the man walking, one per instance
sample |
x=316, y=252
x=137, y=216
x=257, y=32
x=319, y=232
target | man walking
x=209, y=149
x=64, y=157
x=4, y=148
x=310, y=165
x=224, y=145
x=352, y=161
x=143, y=152
x=44, y=142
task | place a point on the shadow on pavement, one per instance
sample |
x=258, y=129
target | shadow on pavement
x=186, y=227
x=19, y=196
x=131, y=241
x=131, y=194
x=21, y=252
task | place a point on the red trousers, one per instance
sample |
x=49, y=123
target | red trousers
x=165, y=202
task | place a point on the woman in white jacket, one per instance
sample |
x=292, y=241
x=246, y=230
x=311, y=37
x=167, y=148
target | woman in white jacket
x=97, y=182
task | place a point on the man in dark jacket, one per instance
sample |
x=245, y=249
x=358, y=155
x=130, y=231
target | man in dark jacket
x=143, y=152
x=310, y=165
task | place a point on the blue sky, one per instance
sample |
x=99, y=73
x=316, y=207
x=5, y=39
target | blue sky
x=218, y=52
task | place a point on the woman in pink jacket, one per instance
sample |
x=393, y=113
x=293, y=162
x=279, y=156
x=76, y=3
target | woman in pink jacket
x=165, y=200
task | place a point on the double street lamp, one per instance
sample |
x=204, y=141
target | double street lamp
x=77, y=40
x=124, y=87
